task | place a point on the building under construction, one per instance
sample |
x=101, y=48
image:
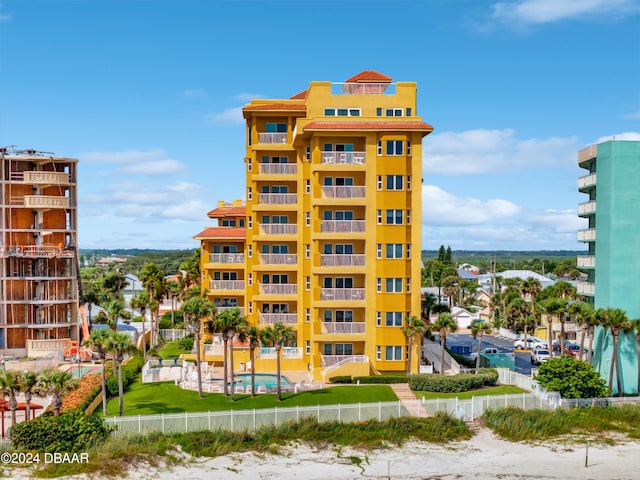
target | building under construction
x=39, y=280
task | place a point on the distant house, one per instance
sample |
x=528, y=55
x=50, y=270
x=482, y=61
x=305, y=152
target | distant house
x=463, y=317
x=467, y=267
x=440, y=298
x=465, y=274
x=486, y=279
x=106, y=261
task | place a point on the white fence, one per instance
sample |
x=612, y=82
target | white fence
x=171, y=334
x=598, y=402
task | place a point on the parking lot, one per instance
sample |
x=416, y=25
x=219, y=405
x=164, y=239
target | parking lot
x=504, y=345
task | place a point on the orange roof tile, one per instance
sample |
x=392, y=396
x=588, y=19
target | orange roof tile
x=371, y=125
x=370, y=76
x=275, y=106
x=299, y=96
x=221, y=232
x=227, y=212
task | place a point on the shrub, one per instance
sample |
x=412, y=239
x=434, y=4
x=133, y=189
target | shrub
x=72, y=431
x=572, y=378
x=341, y=379
x=186, y=343
x=81, y=397
x=381, y=379
x=463, y=382
x=130, y=370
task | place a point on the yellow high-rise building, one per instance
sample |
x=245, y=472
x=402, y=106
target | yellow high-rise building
x=333, y=224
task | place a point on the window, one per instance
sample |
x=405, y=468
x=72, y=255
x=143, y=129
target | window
x=379, y=217
x=344, y=316
x=307, y=347
x=393, y=112
x=307, y=154
x=307, y=315
x=378, y=318
x=250, y=251
x=328, y=316
x=329, y=112
x=379, y=182
x=344, y=348
x=394, y=182
x=379, y=112
x=408, y=182
x=307, y=250
x=394, y=250
x=307, y=216
x=249, y=164
x=395, y=147
x=307, y=187
x=250, y=279
x=393, y=285
x=250, y=307
x=408, y=147
x=250, y=223
x=394, y=217
x=408, y=250
x=379, y=284
x=250, y=193
x=393, y=353
x=393, y=319
x=249, y=135
x=408, y=284
x=341, y=112
x=408, y=217
x=228, y=223
x=307, y=283
x=378, y=352
x=379, y=147
x=242, y=223
x=275, y=127
x=408, y=112
x=379, y=250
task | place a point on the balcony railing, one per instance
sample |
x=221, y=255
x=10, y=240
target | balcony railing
x=46, y=178
x=586, y=288
x=587, y=180
x=349, y=328
x=329, y=360
x=346, y=191
x=226, y=285
x=272, y=138
x=277, y=198
x=285, y=353
x=278, y=168
x=587, y=235
x=278, y=288
x=343, y=226
x=222, y=309
x=587, y=261
x=278, y=228
x=587, y=208
x=359, y=88
x=568, y=327
x=342, y=260
x=226, y=258
x=45, y=201
x=346, y=158
x=270, y=318
x=278, y=259
x=35, y=251
x=587, y=154
x=342, y=294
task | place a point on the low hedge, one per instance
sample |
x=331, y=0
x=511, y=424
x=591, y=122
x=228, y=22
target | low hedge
x=130, y=371
x=463, y=382
x=370, y=379
x=341, y=379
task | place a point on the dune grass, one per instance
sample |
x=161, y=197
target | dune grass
x=499, y=390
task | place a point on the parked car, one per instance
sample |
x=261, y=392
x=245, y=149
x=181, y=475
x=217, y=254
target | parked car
x=531, y=344
x=573, y=350
x=540, y=355
x=484, y=351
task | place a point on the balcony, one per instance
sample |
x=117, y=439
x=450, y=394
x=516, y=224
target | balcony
x=350, y=191
x=278, y=259
x=343, y=226
x=344, y=158
x=342, y=294
x=285, y=353
x=587, y=235
x=587, y=208
x=330, y=360
x=41, y=251
x=568, y=327
x=45, y=201
x=226, y=307
x=349, y=328
x=278, y=228
x=272, y=138
x=586, y=261
x=586, y=288
x=278, y=168
x=46, y=178
x=226, y=285
x=587, y=154
x=270, y=318
x=278, y=288
x=342, y=260
x=277, y=198
x=226, y=258
x=363, y=88
x=587, y=181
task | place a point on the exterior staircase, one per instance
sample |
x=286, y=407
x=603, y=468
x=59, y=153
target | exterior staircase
x=408, y=398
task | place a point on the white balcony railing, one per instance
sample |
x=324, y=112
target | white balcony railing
x=346, y=158
x=568, y=327
x=46, y=178
x=587, y=208
x=350, y=328
x=344, y=191
x=222, y=309
x=285, y=353
x=272, y=138
x=270, y=318
x=278, y=259
x=278, y=288
x=278, y=228
x=277, y=198
x=343, y=226
x=586, y=288
x=45, y=201
x=226, y=285
x=587, y=180
x=587, y=235
x=278, y=168
x=329, y=360
x=226, y=258
x=342, y=294
x=342, y=260
x=587, y=261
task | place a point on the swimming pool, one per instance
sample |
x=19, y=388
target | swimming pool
x=266, y=380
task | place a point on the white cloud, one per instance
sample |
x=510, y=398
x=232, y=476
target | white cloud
x=138, y=162
x=195, y=93
x=557, y=221
x=481, y=151
x=159, y=167
x=442, y=208
x=549, y=11
x=632, y=116
x=230, y=116
x=126, y=156
x=620, y=136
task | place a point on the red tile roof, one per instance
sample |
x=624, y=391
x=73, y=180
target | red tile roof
x=275, y=106
x=300, y=96
x=222, y=232
x=227, y=212
x=371, y=125
x=370, y=76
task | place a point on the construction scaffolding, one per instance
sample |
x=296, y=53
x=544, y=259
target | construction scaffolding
x=39, y=280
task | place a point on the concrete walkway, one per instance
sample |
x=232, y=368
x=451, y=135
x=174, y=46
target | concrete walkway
x=408, y=399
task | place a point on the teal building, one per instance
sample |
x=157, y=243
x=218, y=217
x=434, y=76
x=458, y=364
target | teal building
x=613, y=237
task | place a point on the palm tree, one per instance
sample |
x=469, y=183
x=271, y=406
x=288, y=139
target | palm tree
x=141, y=302
x=615, y=319
x=27, y=382
x=635, y=326
x=152, y=279
x=252, y=334
x=55, y=383
x=413, y=326
x=443, y=325
x=585, y=316
x=114, y=283
x=90, y=297
x=451, y=286
x=196, y=309
x=278, y=335
x=10, y=386
x=550, y=307
x=516, y=311
x=427, y=303
x=529, y=321
x=120, y=344
x=478, y=329
x=530, y=288
x=99, y=342
x=230, y=322
x=115, y=310
x=564, y=290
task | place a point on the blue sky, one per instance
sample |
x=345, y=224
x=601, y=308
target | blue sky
x=147, y=95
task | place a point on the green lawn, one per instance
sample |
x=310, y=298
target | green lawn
x=171, y=349
x=499, y=390
x=166, y=397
